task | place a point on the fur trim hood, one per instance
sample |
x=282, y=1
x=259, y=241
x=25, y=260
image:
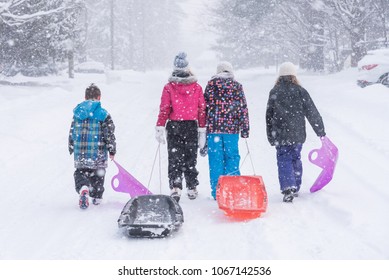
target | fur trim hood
x=224, y=75
x=182, y=77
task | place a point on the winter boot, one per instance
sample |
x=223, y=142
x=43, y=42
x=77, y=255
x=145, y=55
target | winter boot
x=97, y=201
x=192, y=193
x=175, y=193
x=288, y=195
x=84, y=197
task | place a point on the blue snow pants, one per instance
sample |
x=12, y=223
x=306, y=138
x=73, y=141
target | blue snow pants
x=290, y=168
x=223, y=156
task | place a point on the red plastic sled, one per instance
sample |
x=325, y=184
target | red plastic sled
x=242, y=197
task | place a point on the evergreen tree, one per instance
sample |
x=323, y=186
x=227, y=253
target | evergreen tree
x=314, y=33
x=354, y=16
x=303, y=25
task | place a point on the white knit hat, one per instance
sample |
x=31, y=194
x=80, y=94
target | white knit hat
x=224, y=66
x=287, y=69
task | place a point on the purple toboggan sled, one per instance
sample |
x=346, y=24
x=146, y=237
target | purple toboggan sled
x=326, y=158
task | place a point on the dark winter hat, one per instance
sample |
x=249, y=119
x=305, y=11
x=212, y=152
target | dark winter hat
x=287, y=69
x=224, y=66
x=180, y=62
x=92, y=92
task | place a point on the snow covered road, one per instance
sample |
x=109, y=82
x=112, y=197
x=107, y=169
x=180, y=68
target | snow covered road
x=40, y=215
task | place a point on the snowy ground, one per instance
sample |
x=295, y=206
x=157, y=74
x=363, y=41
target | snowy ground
x=348, y=220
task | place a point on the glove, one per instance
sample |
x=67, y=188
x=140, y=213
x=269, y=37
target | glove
x=244, y=134
x=160, y=134
x=202, y=137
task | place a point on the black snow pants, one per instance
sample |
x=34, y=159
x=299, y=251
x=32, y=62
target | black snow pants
x=93, y=178
x=182, y=144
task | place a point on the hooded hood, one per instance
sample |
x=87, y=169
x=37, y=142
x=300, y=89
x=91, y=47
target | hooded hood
x=182, y=78
x=90, y=109
x=224, y=75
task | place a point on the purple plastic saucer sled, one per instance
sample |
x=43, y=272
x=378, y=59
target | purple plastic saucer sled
x=326, y=158
x=127, y=183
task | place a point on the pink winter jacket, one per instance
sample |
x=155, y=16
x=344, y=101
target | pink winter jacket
x=182, y=102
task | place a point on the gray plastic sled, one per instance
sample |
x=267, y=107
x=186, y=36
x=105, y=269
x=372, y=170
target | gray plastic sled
x=151, y=216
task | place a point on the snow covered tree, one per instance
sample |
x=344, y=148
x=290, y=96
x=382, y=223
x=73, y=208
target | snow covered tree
x=241, y=39
x=381, y=8
x=145, y=32
x=36, y=35
x=353, y=16
x=257, y=32
x=317, y=34
x=303, y=26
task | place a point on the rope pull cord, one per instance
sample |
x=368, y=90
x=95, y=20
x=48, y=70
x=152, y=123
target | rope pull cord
x=157, y=154
x=248, y=155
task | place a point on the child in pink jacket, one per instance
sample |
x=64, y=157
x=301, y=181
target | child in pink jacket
x=182, y=116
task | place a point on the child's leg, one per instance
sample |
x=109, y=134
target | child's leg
x=81, y=178
x=97, y=181
x=286, y=174
x=175, y=152
x=297, y=165
x=190, y=140
x=216, y=160
x=231, y=154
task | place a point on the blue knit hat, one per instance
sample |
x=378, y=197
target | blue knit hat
x=180, y=62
